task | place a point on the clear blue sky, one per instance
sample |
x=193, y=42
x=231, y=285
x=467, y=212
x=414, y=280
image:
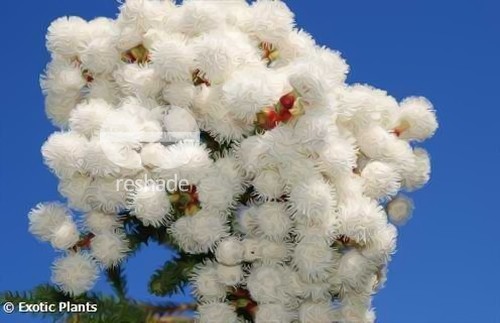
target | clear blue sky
x=447, y=266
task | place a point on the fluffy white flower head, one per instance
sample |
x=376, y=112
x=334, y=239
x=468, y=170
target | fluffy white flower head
x=109, y=248
x=75, y=273
x=151, y=205
x=45, y=218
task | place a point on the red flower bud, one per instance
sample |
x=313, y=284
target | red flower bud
x=288, y=100
x=285, y=115
x=267, y=119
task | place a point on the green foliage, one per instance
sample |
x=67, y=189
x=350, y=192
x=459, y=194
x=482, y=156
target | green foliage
x=39, y=294
x=138, y=234
x=215, y=147
x=173, y=275
x=116, y=278
x=109, y=309
x=171, y=278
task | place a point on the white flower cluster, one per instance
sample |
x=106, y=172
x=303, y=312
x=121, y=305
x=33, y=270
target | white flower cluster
x=294, y=211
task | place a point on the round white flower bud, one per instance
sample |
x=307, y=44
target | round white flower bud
x=400, y=209
x=230, y=252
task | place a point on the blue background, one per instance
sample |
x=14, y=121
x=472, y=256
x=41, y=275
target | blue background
x=447, y=265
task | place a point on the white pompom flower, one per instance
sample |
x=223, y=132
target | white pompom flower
x=218, y=190
x=75, y=273
x=88, y=117
x=336, y=68
x=47, y=217
x=376, y=142
x=248, y=90
x=208, y=229
x=180, y=124
x=270, y=313
x=199, y=233
x=181, y=231
x=188, y=159
x=216, y=312
x=313, y=258
x=98, y=222
x=153, y=154
x=380, y=180
x=268, y=284
x=64, y=153
x=268, y=184
x=417, y=119
x=400, y=209
x=100, y=54
x=363, y=106
x=103, y=88
x=172, y=57
x=313, y=198
x=230, y=251
x=270, y=21
x=106, y=195
x=315, y=131
x=219, y=53
x=151, y=205
x=310, y=312
x=229, y=275
x=58, y=107
x=272, y=221
x=109, y=248
x=138, y=80
x=67, y=35
x=338, y=156
x=355, y=271
x=206, y=284
x=63, y=79
x=382, y=245
x=361, y=218
x=252, y=154
x=309, y=82
x=274, y=252
x=195, y=18
x=74, y=189
x=419, y=173
x=180, y=94
x=106, y=157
